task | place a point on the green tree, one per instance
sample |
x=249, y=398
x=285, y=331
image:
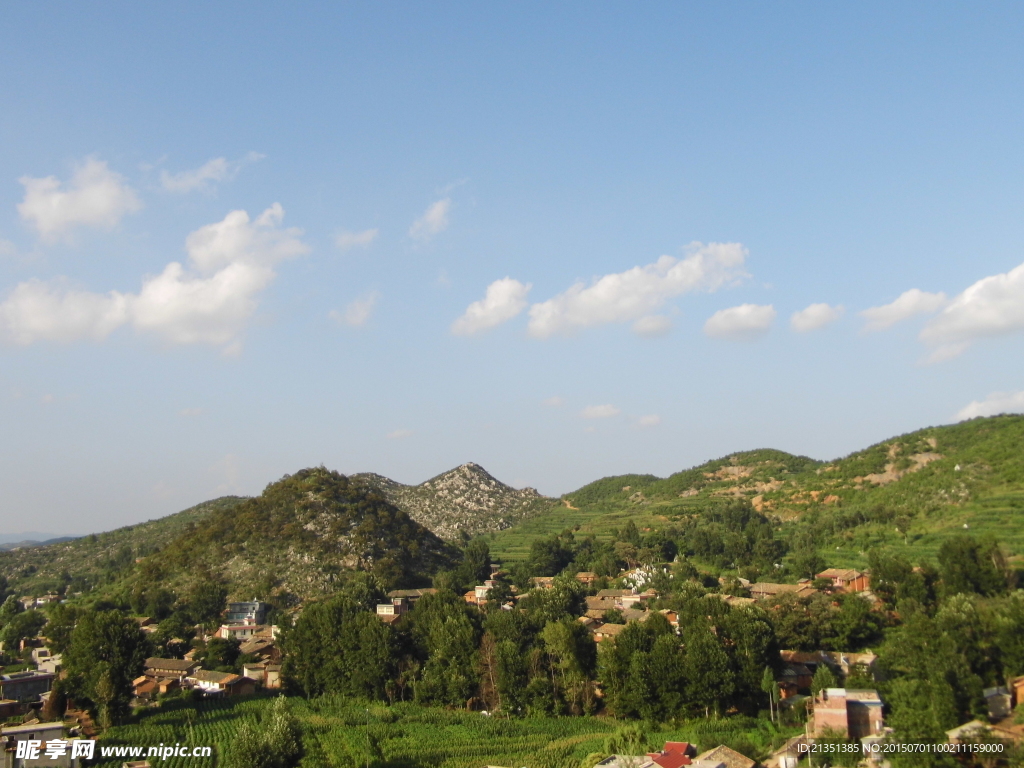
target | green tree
x=771, y=690
x=823, y=678
x=207, y=599
x=709, y=675
x=275, y=741
x=476, y=564
x=106, y=653
x=338, y=646
x=21, y=626
x=969, y=565
x=571, y=659
x=448, y=640
x=220, y=654
x=62, y=618
x=11, y=608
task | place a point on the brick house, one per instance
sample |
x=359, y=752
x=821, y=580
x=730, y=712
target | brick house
x=846, y=579
x=853, y=713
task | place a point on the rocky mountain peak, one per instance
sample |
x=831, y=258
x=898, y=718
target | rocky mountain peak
x=467, y=499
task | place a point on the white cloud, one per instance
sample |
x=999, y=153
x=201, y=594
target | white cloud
x=909, y=303
x=996, y=403
x=554, y=402
x=649, y=421
x=231, y=263
x=203, y=177
x=503, y=300
x=631, y=295
x=743, y=323
x=651, y=326
x=358, y=312
x=7, y=248
x=95, y=197
x=39, y=311
x=814, y=317
x=600, y=411
x=346, y=240
x=399, y=434
x=433, y=221
x=993, y=306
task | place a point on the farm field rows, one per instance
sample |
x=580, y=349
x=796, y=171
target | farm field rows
x=348, y=733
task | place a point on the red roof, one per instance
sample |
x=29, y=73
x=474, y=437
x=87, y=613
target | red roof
x=673, y=755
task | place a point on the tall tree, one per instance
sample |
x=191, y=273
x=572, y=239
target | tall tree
x=710, y=677
x=339, y=646
x=107, y=651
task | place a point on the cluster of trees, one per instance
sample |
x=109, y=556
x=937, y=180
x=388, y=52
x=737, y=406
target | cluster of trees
x=17, y=624
x=722, y=536
x=538, y=660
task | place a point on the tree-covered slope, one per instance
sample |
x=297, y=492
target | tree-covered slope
x=913, y=490
x=298, y=540
x=98, y=558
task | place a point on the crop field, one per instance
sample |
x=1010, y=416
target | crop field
x=347, y=733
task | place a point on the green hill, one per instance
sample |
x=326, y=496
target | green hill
x=929, y=484
x=99, y=558
x=299, y=539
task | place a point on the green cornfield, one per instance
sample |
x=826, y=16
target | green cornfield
x=347, y=733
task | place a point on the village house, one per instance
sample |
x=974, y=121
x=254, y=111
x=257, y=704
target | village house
x=221, y=683
x=586, y=578
x=264, y=673
x=765, y=590
x=600, y=605
x=840, y=662
x=542, y=582
x=148, y=688
x=999, y=702
x=252, y=612
x=25, y=686
x=674, y=754
x=723, y=756
x=794, y=679
x=47, y=734
x=45, y=661
x=398, y=606
x=244, y=632
x=670, y=615
x=846, y=579
x=626, y=761
x=606, y=631
x=853, y=713
x=263, y=648
x=412, y=595
x=178, y=669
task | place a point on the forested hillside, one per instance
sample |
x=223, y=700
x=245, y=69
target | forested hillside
x=298, y=540
x=100, y=558
x=911, y=492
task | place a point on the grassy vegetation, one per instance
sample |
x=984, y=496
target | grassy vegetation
x=103, y=557
x=352, y=733
x=910, y=493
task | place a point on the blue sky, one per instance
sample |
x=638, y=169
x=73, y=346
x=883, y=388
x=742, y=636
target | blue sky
x=562, y=242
